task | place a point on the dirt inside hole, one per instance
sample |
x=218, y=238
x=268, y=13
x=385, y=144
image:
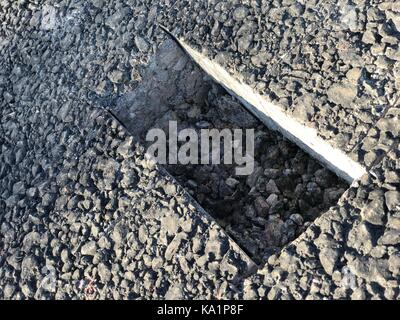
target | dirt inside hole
x=262, y=212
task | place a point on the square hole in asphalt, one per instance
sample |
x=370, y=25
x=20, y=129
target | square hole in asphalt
x=263, y=211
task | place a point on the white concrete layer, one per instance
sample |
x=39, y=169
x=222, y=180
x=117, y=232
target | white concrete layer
x=276, y=119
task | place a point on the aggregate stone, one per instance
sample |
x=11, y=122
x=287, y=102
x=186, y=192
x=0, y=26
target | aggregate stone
x=329, y=258
x=29, y=267
x=174, y=245
x=141, y=44
x=374, y=212
x=392, y=200
x=342, y=94
x=104, y=272
x=89, y=249
x=390, y=237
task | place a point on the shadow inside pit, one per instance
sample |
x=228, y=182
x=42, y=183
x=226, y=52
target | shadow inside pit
x=262, y=212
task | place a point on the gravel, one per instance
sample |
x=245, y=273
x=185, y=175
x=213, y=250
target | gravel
x=62, y=62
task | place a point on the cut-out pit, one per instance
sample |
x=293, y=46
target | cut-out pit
x=262, y=212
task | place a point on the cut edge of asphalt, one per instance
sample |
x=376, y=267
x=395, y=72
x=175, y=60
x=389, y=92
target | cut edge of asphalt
x=276, y=119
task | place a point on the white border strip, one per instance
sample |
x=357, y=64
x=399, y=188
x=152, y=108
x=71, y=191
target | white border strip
x=275, y=118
